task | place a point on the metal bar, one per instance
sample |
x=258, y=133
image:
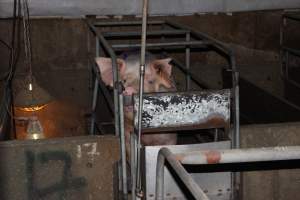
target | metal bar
x=219, y=45
x=292, y=51
x=150, y=33
x=162, y=44
x=141, y=91
x=118, y=102
x=112, y=54
x=186, y=178
x=127, y=23
x=240, y=155
x=293, y=16
x=123, y=150
x=186, y=71
x=187, y=61
x=103, y=88
x=132, y=164
x=95, y=94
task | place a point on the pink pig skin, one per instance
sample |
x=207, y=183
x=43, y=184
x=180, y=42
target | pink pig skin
x=157, y=79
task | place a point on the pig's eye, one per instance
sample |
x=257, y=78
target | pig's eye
x=150, y=82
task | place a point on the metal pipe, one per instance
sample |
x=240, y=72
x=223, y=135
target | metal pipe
x=118, y=96
x=123, y=150
x=132, y=164
x=150, y=33
x=95, y=95
x=92, y=130
x=127, y=23
x=103, y=88
x=186, y=71
x=162, y=44
x=141, y=90
x=240, y=155
x=186, y=178
x=112, y=54
x=187, y=61
x=202, y=36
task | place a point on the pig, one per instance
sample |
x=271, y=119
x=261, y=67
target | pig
x=158, y=78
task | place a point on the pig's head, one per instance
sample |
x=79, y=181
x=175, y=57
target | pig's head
x=157, y=74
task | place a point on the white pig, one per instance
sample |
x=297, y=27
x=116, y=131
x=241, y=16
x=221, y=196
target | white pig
x=157, y=79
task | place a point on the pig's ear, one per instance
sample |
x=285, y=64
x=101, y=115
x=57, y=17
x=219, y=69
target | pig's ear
x=105, y=66
x=162, y=65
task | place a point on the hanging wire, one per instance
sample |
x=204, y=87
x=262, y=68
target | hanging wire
x=27, y=41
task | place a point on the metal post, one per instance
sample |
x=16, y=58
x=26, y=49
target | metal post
x=95, y=94
x=186, y=178
x=123, y=150
x=94, y=103
x=133, y=164
x=141, y=90
x=187, y=61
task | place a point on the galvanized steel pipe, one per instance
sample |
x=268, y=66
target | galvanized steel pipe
x=141, y=91
x=186, y=178
x=240, y=155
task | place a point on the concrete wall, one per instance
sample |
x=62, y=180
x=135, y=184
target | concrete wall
x=272, y=184
x=134, y=7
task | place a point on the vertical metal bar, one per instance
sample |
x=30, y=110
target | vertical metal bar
x=94, y=104
x=95, y=94
x=133, y=164
x=287, y=65
x=123, y=149
x=282, y=55
x=187, y=61
x=141, y=90
x=236, y=123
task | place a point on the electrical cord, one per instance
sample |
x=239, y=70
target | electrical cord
x=6, y=106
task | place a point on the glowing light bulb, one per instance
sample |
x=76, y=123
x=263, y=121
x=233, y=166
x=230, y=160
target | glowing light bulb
x=30, y=86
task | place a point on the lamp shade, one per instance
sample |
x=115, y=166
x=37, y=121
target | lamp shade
x=33, y=98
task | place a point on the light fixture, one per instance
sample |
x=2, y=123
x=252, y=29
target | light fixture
x=34, y=129
x=31, y=98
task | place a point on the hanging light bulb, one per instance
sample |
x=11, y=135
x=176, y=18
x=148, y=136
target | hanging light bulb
x=34, y=129
x=34, y=97
x=30, y=86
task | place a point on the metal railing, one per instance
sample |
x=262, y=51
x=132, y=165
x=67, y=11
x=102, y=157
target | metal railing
x=177, y=161
x=191, y=40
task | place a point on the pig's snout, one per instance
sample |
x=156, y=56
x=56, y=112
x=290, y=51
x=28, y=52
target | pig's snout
x=129, y=91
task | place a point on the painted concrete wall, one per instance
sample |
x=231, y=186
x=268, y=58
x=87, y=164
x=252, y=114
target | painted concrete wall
x=272, y=184
x=133, y=7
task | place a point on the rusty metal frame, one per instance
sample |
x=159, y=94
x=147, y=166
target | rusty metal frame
x=193, y=39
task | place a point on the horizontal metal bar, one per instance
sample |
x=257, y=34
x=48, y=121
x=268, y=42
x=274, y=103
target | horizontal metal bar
x=293, y=16
x=127, y=23
x=217, y=44
x=186, y=178
x=187, y=71
x=295, y=52
x=240, y=155
x=163, y=44
x=149, y=33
